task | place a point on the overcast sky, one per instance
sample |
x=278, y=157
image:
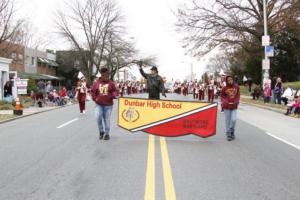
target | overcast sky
x=149, y=22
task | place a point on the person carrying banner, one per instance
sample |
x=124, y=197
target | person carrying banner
x=103, y=92
x=230, y=97
x=155, y=83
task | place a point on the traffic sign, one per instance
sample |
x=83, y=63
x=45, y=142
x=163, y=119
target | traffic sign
x=269, y=51
x=266, y=40
x=266, y=63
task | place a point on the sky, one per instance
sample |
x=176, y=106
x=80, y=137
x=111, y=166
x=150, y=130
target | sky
x=149, y=22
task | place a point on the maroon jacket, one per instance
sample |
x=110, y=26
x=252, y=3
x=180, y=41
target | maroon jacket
x=230, y=96
x=103, y=92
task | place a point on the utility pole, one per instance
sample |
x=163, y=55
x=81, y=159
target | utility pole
x=265, y=43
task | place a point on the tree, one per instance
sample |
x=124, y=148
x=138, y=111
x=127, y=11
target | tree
x=120, y=53
x=30, y=37
x=219, y=62
x=231, y=23
x=92, y=19
x=205, y=77
x=286, y=62
x=9, y=27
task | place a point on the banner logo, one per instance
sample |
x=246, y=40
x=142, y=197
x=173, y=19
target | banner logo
x=130, y=115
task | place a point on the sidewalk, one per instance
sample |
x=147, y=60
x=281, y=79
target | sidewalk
x=7, y=115
x=260, y=104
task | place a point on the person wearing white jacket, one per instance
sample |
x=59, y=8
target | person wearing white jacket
x=287, y=95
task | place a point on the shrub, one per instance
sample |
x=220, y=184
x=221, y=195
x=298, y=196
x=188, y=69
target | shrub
x=2, y=102
x=6, y=107
x=31, y=85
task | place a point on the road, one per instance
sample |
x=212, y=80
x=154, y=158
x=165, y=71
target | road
x=57, y=155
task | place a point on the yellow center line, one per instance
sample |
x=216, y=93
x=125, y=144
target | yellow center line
x=150, y=175
x=168, y=180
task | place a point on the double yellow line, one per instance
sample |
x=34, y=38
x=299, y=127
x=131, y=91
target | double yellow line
x=167, y=172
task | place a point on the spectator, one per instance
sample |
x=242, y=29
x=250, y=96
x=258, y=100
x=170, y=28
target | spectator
x=295, y=105
x=273, y=82
x=63, y=95
x=267, y=93
x=278, y=91
x=287, y=95
x=69, y=88
x=256, y=92
x=250, y=84
x=33, y=97
x=56, y=98
x=41, y=86
x=8, y=89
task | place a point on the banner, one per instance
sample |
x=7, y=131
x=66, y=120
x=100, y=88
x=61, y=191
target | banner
x=167, y=118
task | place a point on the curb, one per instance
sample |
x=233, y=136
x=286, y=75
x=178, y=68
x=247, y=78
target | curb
x=23, y=116
x=278, y=110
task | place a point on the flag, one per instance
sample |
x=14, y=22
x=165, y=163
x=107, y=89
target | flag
x=80, y=75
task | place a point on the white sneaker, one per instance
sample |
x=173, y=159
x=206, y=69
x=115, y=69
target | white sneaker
x=83, y=112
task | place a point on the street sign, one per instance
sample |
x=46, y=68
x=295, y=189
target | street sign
x=167, y=118
x=266, y=64
x=266, y=40
x=21, y=85
x=270, y=51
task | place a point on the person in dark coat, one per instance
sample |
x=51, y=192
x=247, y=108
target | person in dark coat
x=8, y=89
x=155, y=84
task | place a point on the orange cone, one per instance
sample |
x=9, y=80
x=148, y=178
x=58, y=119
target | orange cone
x=18, y=104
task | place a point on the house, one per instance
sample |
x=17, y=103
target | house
x=4, y=74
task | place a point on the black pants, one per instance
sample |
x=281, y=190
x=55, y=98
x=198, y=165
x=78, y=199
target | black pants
x=255, y=96
x=285, y=100
x=154, y=96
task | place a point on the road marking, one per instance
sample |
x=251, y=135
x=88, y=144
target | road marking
x=168, y=180
x=67, y=123
x=150, y=174
x=282, y=140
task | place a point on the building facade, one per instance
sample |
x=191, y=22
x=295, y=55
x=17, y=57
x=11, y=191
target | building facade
x=40, y=62
x=4, y=74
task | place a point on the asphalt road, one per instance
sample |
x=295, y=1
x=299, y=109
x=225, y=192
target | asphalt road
x=57, y=155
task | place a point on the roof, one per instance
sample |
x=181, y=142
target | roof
x=36, y=76
x=48, y=62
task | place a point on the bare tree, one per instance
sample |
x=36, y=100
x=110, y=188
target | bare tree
x=86, y=27
x=228, y=23
x=120, y=52
x=31, y=38
x=219, y=62
x=9, y=27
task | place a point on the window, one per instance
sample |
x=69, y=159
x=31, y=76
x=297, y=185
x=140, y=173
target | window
x=32, y=60
x=13, y=55
x=20, y=57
